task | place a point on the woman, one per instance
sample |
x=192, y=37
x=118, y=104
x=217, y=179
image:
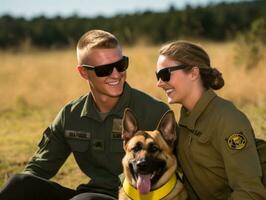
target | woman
x=216, y=147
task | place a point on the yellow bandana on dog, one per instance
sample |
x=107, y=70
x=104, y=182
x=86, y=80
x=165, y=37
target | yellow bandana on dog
x=160, y=193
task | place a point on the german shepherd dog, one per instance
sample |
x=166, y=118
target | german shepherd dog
x=149, y=163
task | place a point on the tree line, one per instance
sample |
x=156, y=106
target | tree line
x=218, y=22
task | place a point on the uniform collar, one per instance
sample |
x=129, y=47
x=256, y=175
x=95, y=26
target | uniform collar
x=89, y=109
x=159, y=193
x=189, y=118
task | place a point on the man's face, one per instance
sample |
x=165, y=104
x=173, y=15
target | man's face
x=110, y=86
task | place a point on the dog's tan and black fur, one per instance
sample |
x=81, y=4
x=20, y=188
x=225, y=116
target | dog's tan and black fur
x=149, y=154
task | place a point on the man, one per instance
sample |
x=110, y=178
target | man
x=90, y=127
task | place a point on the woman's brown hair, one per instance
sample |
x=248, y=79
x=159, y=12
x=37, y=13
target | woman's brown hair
x=193, y=55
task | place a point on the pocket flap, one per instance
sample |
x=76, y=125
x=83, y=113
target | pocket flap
x=204, y=138
x=204, y=134
x=78, y=145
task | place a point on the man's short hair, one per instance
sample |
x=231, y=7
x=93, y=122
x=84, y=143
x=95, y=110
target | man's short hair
x=95, y=39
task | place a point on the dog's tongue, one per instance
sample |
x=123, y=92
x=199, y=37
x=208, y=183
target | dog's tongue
x=144, y=183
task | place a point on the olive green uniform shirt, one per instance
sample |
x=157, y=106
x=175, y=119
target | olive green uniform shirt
x=95, y=142
x=217, y=152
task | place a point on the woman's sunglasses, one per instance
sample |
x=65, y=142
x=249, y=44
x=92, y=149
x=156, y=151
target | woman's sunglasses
x=165, y=73
x=106, y=70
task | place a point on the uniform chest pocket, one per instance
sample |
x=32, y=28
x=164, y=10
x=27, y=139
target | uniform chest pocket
x=198, y=144
x=201, y=150
x=116, y=154
x=78, y=145
x=116, y=146
x=204, y=139
x=78, y=141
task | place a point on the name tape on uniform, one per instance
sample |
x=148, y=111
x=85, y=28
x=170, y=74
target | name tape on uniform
x=77, y=134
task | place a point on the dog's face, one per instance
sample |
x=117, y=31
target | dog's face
x=149, y=161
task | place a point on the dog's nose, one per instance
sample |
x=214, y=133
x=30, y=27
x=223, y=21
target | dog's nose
x=142, y=164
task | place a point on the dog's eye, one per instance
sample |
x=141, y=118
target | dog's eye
x=137, y=147
x=153, y=149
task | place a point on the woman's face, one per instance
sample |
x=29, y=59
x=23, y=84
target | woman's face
x=178, y=88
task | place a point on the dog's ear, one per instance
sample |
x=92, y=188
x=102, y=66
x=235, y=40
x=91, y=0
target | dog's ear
x=167, y=127
x=129, y=125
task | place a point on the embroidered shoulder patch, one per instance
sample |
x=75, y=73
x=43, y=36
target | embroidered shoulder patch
x=237, y=141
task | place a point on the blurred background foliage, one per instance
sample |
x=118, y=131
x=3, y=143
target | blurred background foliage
x=218, y=22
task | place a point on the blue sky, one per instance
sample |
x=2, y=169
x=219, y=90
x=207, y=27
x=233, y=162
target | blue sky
x=90, y=8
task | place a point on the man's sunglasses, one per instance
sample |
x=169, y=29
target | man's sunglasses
x=106, y=70
x=165, y=73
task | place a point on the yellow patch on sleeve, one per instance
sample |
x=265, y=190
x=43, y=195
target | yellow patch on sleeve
x=237, y=141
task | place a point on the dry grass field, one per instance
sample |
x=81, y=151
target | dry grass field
x=34, y=84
